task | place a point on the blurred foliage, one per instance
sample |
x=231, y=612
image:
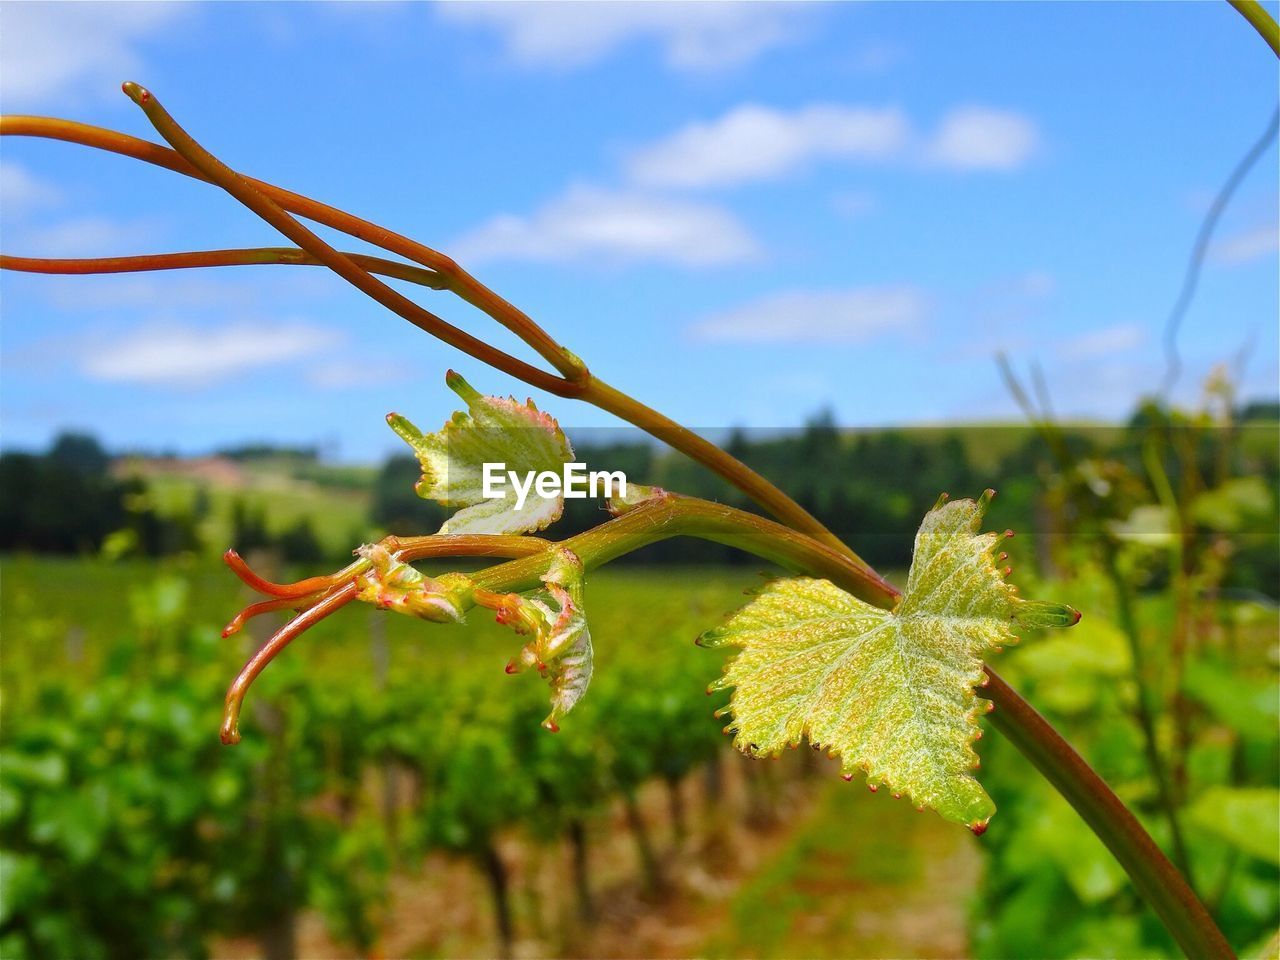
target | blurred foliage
x=1168, y=687
x=127, y=830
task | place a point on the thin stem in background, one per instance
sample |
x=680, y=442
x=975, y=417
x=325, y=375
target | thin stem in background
x=1261, y=21
x=1200, y=248
x=1143, y=709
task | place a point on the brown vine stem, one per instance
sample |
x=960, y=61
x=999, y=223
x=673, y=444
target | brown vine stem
x=1157, y=880
x=459, y=282
x=243, y=257
x=470, y=290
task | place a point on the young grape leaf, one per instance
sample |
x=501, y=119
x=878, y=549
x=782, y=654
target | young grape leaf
x=560, y=648
x=890, y=692
x=391, y=584
x=636, y=495
x=492, y=430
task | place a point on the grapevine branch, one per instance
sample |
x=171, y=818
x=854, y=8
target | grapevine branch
x=1260, y=20
x=1157, y=880
x=666, y=516
x=577, y=383
x=288, y=256
x=320, y=597
x=809, y=546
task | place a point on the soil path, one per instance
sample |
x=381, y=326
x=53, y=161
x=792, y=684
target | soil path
x=787, y=861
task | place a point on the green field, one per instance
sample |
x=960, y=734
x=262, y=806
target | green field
x=137, y=644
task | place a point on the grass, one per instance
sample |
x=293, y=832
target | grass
x=58, y=612
x=859, y=878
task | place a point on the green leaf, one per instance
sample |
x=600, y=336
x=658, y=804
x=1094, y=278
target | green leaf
x=890, y=692
x=1246, y=704
x=493, y=430
x=560, y=648
x=1239, y=504
x=1248, y=818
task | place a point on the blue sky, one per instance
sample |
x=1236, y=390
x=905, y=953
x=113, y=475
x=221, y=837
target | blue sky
x=741, y=214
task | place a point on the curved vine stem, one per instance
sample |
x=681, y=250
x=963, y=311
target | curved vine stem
x=458, y=280
x=1034, y=737
x=582, y=386
x=242, y=257
x=1157, y=880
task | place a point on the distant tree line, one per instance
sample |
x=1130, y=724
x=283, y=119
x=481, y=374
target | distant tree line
x=67, y=501
x=871, y=487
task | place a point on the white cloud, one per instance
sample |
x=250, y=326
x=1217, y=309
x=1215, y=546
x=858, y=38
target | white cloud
x=184, y=356
x=752, y=143
x=588, y=222
x=1104, y=342
x=90, y=236
x=51, y=50
x=1248, y=245
x=21, y=191
x=351, y=374
x=692, y=36
x=983, y=138
x=818, y=316
x=875, y=57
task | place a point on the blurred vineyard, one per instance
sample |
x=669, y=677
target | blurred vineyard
x=394, y=794
x=130, y=831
